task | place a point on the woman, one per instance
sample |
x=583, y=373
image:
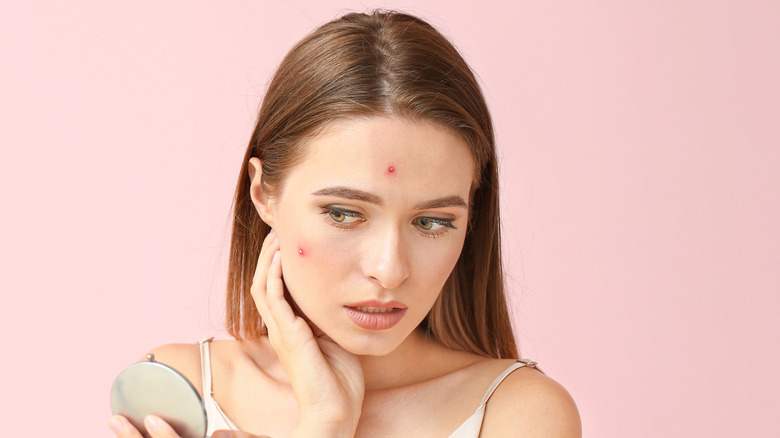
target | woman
x=365, y=287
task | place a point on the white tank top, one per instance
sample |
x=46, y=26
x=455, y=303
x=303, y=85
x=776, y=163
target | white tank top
x=216, y=419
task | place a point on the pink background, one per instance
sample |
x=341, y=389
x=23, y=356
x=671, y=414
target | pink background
x=640, y=150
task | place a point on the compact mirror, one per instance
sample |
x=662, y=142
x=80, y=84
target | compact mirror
x=151, y=388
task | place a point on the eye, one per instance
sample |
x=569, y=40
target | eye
x=426, y=223
x=341, y=218
x=433, y=227
x=337, y=215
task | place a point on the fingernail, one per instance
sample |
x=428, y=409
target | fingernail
x=116, y=425
x=152, y=423
x=276, y=257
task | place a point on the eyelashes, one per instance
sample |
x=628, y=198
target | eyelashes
x=344, y=219
x=433, y=227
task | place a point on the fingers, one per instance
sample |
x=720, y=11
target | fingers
x=287, y=331
x=268, y=293
x=259, y=281
x=280, y=309
x=122, y=428
x=158, y=428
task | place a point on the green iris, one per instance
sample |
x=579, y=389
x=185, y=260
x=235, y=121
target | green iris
x=425, y=223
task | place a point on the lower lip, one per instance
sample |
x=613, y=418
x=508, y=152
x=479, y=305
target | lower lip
x=375, y=321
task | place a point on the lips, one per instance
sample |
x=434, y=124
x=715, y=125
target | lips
x=375, y=315
x=375, y=309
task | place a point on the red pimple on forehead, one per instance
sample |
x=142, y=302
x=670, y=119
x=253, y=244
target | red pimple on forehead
x=300, y=252
x=390, y=169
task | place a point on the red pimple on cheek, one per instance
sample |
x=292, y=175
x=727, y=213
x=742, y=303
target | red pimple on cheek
x=300, y=252
x=390, y=170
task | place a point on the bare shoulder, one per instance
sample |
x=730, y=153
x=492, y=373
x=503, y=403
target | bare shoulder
x=184, y=358
x=530, y=404
x=178, y=356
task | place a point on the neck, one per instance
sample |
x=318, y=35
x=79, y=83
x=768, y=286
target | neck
x=417, y=359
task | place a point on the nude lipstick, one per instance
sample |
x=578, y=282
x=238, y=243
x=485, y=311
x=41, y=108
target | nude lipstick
x=375, y=315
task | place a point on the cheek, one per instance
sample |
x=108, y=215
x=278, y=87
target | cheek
x=313, y=264
x=314, y=252
x=439, y=263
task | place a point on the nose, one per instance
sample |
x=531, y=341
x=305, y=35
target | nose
x=385, y=260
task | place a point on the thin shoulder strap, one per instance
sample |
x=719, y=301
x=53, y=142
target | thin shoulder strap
x=205, y=366
x=497, y=381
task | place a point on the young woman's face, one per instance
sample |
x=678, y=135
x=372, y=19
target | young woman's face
x=370, y=226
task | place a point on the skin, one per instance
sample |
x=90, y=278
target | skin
x=378, y=249
x=330, y=250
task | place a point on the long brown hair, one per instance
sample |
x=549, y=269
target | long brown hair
x=380, y=64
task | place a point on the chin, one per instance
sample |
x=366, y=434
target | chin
x=368, y=350
x=370, y=344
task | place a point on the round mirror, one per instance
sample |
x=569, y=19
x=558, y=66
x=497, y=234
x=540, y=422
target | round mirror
x=151, y=388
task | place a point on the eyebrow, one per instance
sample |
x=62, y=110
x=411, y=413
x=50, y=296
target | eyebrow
x=349, y=193
x=360, y=195
x=447, y=201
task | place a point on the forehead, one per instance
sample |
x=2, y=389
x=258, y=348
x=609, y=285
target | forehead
x=383, y=153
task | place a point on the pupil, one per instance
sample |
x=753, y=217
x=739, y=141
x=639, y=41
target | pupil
x=337, y=216
x=425, y=223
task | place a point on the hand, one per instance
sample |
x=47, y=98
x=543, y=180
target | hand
x=158, y=428
x=326, y=379
x=122, y=428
